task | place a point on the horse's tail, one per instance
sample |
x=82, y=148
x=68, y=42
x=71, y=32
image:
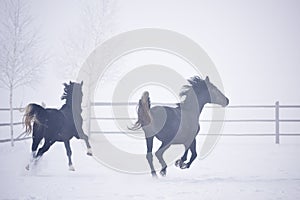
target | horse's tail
x=143, y=111
x=33, y=113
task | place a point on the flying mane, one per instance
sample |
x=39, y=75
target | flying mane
x=195, y=85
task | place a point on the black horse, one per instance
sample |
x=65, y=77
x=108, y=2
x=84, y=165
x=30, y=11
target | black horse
x=56, y=125
x=178, y=125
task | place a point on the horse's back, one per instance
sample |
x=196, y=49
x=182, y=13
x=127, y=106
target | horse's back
x=54, y=115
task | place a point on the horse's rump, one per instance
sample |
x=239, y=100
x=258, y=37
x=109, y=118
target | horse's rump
x=165, y=122
x=34, y=113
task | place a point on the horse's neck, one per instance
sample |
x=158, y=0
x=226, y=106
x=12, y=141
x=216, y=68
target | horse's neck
x=70, y=113
x=66, y=110
x=193, y=105
x=191, y=110
x=68, y=106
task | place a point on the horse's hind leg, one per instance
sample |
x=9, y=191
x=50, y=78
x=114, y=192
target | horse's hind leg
x=69, y=154
x=44, y=148
x=149, y=155
x=41, y=151
x=37, y=136
x=159, y=155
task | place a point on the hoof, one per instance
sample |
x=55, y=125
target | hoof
x=178, y=163
x=27, y=167
x=184, y=166
x=154, y=174
x=163, y=172
x=71, y=168
x=89, y=152
x=36, y=160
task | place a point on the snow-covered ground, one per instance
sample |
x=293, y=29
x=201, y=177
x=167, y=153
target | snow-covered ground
x=238, y=168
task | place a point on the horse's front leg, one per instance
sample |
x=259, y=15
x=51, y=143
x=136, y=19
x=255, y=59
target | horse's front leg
x=89, y=148
x=69, y=154
x=86, y=140
x=194, y=153
x=193, y=156
x=181, y=161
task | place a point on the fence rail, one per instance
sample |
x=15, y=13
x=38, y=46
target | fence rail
x=8, y=124
x=276, y=119
x=21, y=136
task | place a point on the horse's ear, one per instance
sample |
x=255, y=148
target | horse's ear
x=81, y=83
x=207, y=79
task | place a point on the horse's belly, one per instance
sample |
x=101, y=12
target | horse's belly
x=185, y=135
x=184, y=138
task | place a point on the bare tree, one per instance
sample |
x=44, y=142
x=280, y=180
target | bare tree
x=20, y=59
x=96, y=26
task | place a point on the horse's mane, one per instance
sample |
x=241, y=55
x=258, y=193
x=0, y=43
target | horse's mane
x=73, y=96
x=68, y=91
x=195, y=84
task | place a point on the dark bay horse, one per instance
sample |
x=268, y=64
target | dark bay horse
x=179, y=125
x=56, y=125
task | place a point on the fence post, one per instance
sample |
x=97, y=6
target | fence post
x=277, y=122
x=89, y=117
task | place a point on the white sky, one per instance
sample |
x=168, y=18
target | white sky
x=255, y=44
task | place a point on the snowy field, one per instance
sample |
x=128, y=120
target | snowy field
x=238, y=168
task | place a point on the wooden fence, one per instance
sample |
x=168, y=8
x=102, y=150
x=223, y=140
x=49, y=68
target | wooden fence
x=21, y=136
x=276, y=120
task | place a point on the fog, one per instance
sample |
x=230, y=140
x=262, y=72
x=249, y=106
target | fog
x=254, y=45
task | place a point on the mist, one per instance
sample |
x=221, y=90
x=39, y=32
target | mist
x=254, y=44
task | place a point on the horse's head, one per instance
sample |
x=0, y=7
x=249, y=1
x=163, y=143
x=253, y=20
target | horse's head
x=215, y=95
x=201, y=92
x=73, y=93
